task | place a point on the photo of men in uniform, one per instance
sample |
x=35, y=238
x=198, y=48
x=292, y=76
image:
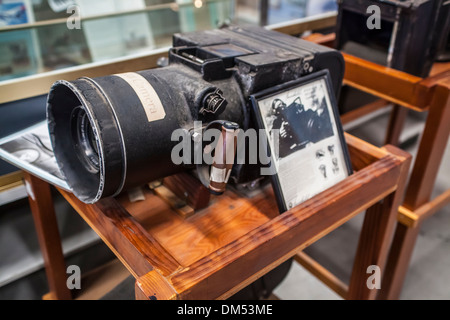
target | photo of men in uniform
x=299, y=125
x=304, y=140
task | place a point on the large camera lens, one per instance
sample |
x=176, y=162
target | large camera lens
x=90, y=152
x=115, y=132
x=84, y=140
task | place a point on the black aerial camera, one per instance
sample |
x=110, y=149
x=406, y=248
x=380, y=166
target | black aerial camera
x=112, y=133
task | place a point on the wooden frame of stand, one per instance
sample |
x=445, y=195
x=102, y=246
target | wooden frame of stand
x=430, y=94
x=234, y=240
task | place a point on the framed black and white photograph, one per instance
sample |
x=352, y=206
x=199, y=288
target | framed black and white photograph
x=305, y=138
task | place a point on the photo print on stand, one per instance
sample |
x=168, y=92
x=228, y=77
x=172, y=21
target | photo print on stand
x=311, y=155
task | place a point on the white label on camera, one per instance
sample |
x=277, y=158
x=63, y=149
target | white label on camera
x=218, y=175
x=149, y=98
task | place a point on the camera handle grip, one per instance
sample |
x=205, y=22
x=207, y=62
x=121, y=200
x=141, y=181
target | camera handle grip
x=215, y=176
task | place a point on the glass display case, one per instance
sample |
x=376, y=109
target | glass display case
x=36, y=35
x=269, y=12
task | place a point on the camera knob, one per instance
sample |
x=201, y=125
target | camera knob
x=214, y=102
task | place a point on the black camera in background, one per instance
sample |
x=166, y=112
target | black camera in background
x=417, y=32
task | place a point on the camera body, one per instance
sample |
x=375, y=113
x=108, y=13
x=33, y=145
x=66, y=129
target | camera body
x=115, y=132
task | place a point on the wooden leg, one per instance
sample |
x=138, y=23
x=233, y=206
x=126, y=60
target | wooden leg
x=41, y=203
x=398, y=261
x=431, y=150
x=376, y=235
x=152, y=286
x=396, y=124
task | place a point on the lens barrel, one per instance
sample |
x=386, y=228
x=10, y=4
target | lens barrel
x=114, y=132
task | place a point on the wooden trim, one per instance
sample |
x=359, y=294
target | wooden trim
x=139, y=251
x=389, y=84
x=412, y=218
x=323, y=274
x=221, y=272
x=433, y=206
x=407, y=217
x=283, y=233
x=11, y=180
x=153, y=286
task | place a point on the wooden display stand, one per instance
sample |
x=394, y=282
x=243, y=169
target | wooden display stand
x=431, y=94
x=234, y=240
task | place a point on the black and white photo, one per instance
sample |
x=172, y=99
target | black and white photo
x=32, y=151
x=305, y=137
